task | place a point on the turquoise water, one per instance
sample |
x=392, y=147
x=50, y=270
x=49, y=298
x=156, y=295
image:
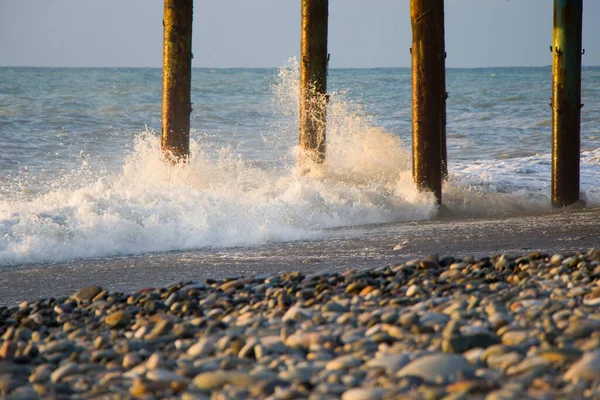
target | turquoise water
x=81, y=176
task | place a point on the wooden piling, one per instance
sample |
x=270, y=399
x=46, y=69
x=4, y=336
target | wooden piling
x=427, y=95
x=566, y=101
x=313, y=83
x=444, y=149
x=177, y=66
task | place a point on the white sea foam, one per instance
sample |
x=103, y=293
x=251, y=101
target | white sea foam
x=509, y=185
x=152, y=206
x=221, y=200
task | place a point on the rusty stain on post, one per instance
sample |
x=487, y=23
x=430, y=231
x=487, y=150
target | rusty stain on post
x=177, y=66
x=427, y=95
x=566, y=101
x=313, y=83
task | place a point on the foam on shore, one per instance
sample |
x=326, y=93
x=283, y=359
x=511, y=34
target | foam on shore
x=221, y=200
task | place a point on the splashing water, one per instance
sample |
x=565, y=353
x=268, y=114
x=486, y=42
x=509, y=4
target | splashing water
x=221, y=200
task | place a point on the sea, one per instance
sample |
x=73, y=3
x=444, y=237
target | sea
x=81, y=173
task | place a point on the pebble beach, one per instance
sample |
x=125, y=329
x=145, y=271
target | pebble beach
x=496, y=327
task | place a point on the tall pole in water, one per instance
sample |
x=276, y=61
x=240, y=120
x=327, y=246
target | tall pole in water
x=177, y=68
x=442, y=56
x=313, y=82
x=427, y=95
x=566, y=101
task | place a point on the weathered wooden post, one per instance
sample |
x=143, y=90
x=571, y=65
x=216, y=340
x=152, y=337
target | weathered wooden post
x=177, y=67
x=313, y=83
x=444, y=149
x=427, y=95
x=566, y=101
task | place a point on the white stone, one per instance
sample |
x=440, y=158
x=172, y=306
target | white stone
x=412, y=290
x=296, y=313
x=202, y=348
x=155, y=361
x=587, y=368
x=363, y=394
x=163, y=375
x=342, y=362
x=432, y=367
x=62, y=371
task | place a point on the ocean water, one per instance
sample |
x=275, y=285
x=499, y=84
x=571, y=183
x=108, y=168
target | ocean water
x=81, y=174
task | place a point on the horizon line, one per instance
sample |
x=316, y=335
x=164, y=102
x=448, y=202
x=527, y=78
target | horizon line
x=239, y=67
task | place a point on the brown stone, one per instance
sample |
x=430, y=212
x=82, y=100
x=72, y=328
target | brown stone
x=235, y=285
x=427, y=264
x=461, y=386
x=561, y=355
x=7, y=350
x=117, y=319
x=366, y=290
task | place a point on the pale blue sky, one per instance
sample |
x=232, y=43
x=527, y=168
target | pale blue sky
x=265, y=33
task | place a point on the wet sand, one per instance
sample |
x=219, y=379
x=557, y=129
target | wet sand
x=364, y=247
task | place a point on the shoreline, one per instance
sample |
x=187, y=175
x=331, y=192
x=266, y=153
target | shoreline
x=361, y=247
